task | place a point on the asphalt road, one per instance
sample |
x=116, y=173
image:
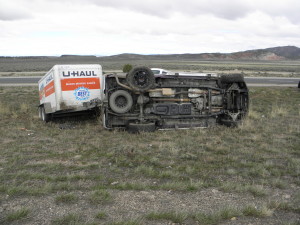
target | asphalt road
x=251, y=81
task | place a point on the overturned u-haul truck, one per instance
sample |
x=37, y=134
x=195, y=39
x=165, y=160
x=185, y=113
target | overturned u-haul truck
x=142, y=101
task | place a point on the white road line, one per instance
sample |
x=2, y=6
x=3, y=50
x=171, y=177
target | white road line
x=272, y=85
x=20, y=84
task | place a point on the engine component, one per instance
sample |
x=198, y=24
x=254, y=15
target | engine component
x=196, y=92
x=199, y=103
x=217, y=100
x=157, y=93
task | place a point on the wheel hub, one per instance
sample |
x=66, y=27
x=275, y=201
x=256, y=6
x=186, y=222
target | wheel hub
x=121, y=101
x=140, y=78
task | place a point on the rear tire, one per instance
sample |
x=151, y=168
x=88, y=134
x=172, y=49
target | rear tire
x=141, y=127
x=232, y=78
x=40, y=112
x=46, y=117
x=227, y=79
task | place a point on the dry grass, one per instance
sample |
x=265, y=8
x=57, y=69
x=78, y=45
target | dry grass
x=257, y=159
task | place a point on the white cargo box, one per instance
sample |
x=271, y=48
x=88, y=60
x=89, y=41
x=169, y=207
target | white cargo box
x=70, y=88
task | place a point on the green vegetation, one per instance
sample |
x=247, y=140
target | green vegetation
x=20, y=214
x=127, y=68
x=101, y=215
x=70, y=219
x=86, y=170
x=175, y=217
x=127, y=222
x=254, y=211
x=211, y=218
x=66, y=198
x=100, y=197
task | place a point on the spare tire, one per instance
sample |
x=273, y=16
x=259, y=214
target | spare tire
x=140, y=78
x=141, y=127
x=120, y=101
x=231, y=78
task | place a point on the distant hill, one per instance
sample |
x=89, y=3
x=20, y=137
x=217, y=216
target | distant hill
x=269, y=54
x=288, y=52
x=116, y=62
x=76, y=56
x=277, y=53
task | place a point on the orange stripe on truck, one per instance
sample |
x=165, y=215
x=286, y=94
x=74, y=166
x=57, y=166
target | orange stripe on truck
x=49, y=89
x=71, y=84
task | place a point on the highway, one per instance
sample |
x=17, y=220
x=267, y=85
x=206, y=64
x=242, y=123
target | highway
x=272, y=81
x=251, y=81
x=19, y=81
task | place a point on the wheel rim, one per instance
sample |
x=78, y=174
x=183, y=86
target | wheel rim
x=141, y=78
x=121, y=101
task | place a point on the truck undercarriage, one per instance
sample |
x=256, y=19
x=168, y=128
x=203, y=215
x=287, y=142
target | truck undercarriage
x=144, y=102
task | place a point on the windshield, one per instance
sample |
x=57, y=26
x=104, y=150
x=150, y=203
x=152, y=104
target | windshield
x=156, y=71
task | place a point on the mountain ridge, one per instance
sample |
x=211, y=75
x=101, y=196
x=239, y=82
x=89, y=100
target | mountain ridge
x=267, y=54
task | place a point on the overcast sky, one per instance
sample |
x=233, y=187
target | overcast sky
x=107, y=27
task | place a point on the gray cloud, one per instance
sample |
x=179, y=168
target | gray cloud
x=229, y=10
x=223, y=9
x=146, y=26
x=8, y=16
x=13, y=10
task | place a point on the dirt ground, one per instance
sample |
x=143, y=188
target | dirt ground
x=130, y=205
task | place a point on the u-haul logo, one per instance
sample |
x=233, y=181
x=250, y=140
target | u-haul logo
x=90, y=73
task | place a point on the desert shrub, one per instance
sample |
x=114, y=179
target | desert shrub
x=127, y=68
